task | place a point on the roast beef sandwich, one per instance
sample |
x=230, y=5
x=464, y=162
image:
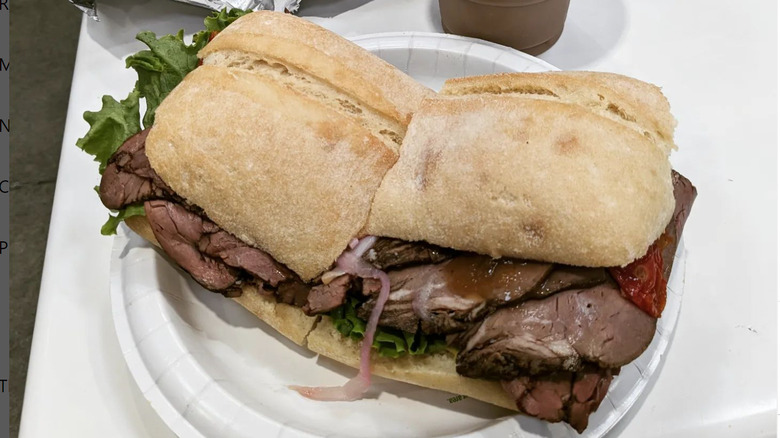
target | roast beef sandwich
x=508, y=239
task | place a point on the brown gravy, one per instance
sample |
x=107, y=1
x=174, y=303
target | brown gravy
x=486, y=278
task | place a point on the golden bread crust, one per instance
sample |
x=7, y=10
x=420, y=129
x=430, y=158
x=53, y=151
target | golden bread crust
x=633, y=103
x=329, y=57
x=507, y=175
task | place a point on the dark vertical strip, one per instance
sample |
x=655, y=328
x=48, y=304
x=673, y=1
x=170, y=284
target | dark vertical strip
x=5, y=126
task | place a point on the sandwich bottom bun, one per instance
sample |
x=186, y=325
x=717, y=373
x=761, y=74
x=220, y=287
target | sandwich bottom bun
x=435, y=371
x=318, y=334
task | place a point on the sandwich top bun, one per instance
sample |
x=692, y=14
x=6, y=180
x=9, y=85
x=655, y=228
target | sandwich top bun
x=283, y=136
x=285, y=133
x=308, y=57
x=531, y=171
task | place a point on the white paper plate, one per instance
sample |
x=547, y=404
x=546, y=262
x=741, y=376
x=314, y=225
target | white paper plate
x=211, y=369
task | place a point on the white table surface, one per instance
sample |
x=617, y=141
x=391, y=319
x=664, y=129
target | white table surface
x=716, y=62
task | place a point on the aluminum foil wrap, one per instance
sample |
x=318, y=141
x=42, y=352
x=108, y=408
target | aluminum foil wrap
x=90, y=7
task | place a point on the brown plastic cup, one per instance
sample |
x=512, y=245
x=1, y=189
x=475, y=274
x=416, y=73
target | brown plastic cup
x=532, y=26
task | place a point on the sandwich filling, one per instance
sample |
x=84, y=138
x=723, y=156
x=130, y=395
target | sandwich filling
x=555, y=335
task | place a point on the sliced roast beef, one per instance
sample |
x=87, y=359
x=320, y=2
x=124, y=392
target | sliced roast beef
x=544, y=398
x=562, y=396
x=394, y=253
x=444, y=298
x=419, y=298
x=588, y=391
x=219, y=243
x=178, y=231
x=499, y=282
x=129, y=178
x=294, y=293
x=684, y=195
x=570, y=277
x=325, y=297
x=559, y=332
x=398, y=311
x=215, y=259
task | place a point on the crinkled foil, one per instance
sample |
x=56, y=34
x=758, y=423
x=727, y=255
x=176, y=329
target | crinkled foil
x=90, y=7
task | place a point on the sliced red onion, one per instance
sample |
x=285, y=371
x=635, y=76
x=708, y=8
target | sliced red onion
x=358, y=247
x=351, y=391
x=364, y=245
x=352, y=263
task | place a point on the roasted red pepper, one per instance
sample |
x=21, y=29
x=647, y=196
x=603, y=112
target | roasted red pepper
x=643, y=282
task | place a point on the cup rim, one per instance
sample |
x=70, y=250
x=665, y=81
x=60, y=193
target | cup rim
x=500, y=3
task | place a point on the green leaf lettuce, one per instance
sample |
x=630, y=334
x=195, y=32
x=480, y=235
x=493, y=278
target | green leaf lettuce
x=388, y=342
x=110, y=127
x=109, y=227
x=220, y=20
x=168, y=60
x=161, y=68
